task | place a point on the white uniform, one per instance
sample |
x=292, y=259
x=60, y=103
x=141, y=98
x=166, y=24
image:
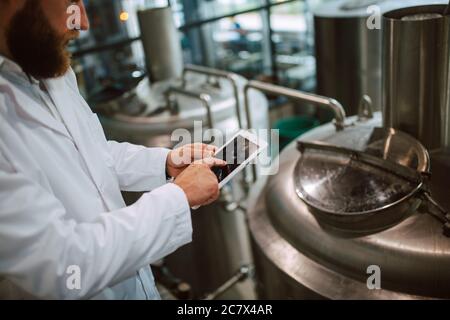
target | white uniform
x=61, y=209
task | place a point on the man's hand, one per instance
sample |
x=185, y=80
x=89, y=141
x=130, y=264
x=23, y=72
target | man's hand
x=179, y=159
x=199, y=183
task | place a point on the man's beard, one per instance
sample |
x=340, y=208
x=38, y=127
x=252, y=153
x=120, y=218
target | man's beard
x=35, y=45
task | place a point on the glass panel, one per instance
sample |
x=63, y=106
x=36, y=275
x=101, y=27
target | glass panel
x=238, y=44
x=115, y=62
x=210, y=9
x=292, y=26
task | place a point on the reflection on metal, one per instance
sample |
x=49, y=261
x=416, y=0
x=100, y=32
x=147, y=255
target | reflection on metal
x=417, y=72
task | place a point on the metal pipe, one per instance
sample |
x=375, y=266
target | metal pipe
x=203, y=97
x=268, y=88
x=295, y=95
x=244, y=273
x=233, y=78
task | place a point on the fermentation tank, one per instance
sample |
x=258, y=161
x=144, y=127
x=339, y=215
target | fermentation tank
x=189, y=98
x=348, y=40
x=296, y=257
x=417, y=89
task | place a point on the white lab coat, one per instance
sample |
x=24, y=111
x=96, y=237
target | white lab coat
x=61, y=206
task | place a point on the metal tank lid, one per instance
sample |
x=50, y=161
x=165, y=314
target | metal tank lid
x=359, y=8
x=414, y=256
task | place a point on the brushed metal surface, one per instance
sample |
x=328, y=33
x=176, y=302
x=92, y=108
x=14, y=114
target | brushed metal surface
x=312, y=260
x=162, y=44
x=348, y=53
x=416, y=89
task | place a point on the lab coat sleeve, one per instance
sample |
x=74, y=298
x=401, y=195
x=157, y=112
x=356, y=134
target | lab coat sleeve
x=138, y=168
x=41, y=250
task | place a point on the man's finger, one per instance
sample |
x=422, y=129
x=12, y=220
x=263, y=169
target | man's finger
x=212, y=162
x=210, y=148
x=203, y=151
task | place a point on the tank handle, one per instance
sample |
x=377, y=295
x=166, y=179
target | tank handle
x=365, y=111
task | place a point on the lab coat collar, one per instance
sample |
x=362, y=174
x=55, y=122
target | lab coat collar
x=26, y=108
x=68, y=105
x=10, y=66
x=66, y=102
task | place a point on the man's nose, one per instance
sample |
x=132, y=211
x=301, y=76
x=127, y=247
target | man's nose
x=84, y=18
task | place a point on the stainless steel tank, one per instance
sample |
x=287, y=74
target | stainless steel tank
x=296, y=257
x=161, y=42
x=417, y=74
x=348, y=52
x=416, y=90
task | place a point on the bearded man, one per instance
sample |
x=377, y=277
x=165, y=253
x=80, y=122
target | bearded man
x=65, y=231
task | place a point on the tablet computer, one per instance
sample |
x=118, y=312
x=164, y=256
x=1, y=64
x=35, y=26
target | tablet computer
x=238, y=152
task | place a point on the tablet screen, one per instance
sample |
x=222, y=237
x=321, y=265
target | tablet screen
x=235, y=153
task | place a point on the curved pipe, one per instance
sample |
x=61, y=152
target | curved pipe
x=339, y=112
x=267, y=88
x=203, y=97
x=231, y=77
